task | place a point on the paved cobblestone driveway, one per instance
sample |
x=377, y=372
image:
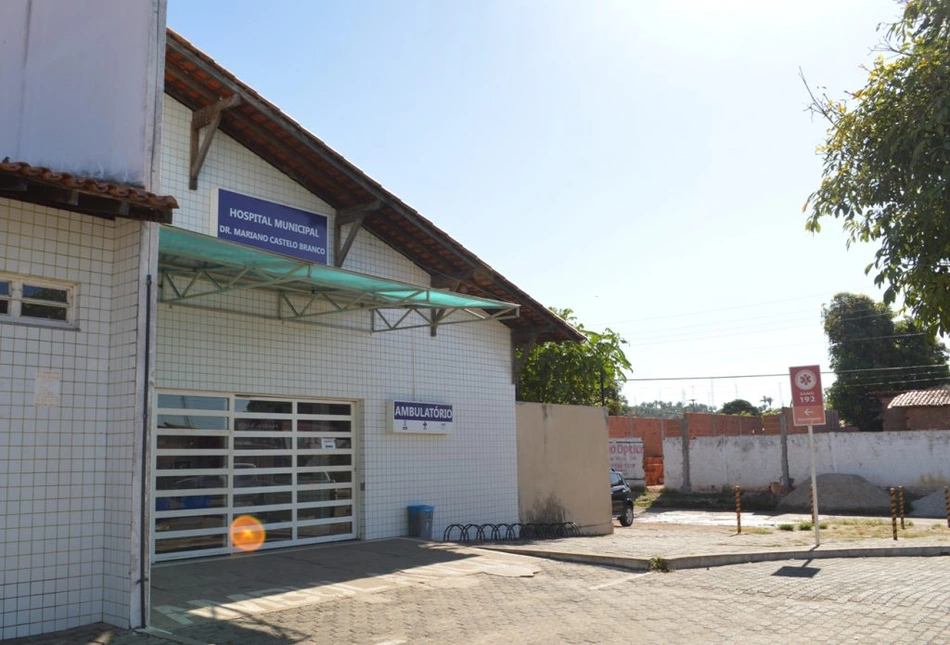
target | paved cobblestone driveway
x=886, y=600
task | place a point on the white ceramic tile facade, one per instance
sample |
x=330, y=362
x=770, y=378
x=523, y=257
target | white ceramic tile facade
x=124, y=423
x=231, y=166
x=228, y=165
x=65, y=505
x=469, y=476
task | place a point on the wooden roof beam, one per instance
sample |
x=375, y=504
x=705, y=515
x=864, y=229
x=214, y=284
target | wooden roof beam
x=355, y=217
x=300, y=135
x=210, y=117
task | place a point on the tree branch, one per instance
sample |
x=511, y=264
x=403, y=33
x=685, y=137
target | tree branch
x=816, y=107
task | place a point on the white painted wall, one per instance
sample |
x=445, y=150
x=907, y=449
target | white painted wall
x=82, y=85
x=626, y=456
x=469, y=475
x=919, y=459
x=66, y=508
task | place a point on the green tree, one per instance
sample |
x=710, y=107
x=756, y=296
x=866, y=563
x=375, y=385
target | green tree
x=871, y=352
x=666, y=409
x=886, y=172
x=739, y=406
x=585, y=373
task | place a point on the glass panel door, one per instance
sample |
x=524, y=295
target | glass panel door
x=289, y=464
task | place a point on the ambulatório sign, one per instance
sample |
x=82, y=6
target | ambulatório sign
x=415, y=417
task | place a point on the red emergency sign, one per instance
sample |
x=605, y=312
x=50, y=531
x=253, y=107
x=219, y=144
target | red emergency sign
x=808, y=403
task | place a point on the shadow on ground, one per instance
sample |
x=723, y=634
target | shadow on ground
x=250, y=585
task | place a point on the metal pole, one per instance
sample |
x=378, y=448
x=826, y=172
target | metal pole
x=900, y=494
x=946, y=499
x=814, y=485
x=738, y=511
x=783, y=426
x=893, y=513
x=684, y=434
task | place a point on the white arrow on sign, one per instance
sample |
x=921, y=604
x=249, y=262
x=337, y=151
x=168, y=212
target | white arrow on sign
x=808, y=412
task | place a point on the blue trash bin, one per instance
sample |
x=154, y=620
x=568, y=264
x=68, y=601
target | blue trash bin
x=420, y=521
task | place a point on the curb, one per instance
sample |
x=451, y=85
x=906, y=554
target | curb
x=678, y=562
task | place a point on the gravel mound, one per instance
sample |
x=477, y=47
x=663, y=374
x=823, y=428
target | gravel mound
x=838, y=494
x=933, y=505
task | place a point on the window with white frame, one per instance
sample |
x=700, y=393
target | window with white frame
x=29, y=300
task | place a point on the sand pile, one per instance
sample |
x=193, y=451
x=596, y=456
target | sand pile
x=934, y=505
x=838, y=494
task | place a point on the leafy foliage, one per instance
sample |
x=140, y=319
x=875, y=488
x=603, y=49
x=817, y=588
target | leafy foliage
x=886, y=168
x=865, y=345
x=586, y=373
x=740, y=406
x=666, y=409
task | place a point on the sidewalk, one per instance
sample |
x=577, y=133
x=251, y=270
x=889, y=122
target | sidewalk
x=699, y=539
x=220, y=589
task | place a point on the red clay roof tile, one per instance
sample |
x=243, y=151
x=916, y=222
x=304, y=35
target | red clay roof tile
x=121, y=192
x=937, y=397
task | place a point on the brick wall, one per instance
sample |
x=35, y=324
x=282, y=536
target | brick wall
x=651, y=431
x=927, y=418
x=701, y=424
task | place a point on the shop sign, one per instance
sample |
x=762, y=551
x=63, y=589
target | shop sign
x=626, y=456
x=272, y=227
x=429, y=418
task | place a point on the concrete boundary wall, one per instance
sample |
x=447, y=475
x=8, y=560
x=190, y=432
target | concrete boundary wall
x=564, y=466
x=917, y=460
x=701, y=424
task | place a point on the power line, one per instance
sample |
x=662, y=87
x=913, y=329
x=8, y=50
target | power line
x=709, y=311
x=676, y=338
x=671, y=335
x=737, y=376
x=737, y=307
x=928, y=379
x=882, y=369
x=784, y=317
x=858, y=340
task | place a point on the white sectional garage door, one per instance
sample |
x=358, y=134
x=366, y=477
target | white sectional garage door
x=216, y=457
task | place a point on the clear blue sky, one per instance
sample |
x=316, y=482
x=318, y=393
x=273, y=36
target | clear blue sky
x=643, y=163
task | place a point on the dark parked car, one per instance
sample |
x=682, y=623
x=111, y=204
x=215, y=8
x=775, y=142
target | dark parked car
x=621, y=498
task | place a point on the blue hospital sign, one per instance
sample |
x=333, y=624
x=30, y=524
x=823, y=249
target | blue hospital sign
x=272, y=227
x=430, y=418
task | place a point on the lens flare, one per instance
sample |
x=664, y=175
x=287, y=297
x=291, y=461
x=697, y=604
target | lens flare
x=247, y=533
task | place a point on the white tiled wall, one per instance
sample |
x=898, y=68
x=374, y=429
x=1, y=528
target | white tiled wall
x=64, y=510
x=231, y=166
x=125, y=423
x=469, y=476
x=228, y=165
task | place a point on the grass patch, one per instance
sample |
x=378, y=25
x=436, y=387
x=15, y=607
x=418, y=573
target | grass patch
x=862, y=521
x=660, y=565
x=753, y=500
x=844, y=528
x=757, y=530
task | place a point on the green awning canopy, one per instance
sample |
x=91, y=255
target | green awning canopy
x=197, y=269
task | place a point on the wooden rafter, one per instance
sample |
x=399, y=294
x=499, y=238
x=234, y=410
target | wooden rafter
x=525, y=342
x=354, y=216
x=210, y=117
